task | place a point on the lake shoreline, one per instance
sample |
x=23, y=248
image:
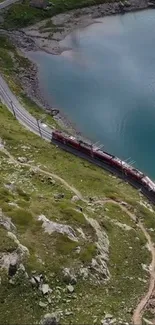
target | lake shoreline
x=36, y=38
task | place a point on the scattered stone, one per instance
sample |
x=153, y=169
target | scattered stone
x=94, y=263
x=51, y=181
x=151, y=5
x=78, y=250
x=68, y=313
x=70, y=288
x=84, y=272
x=79, y=208
x=11, y=281
x=49, y=300
x=42, y=304
x=22, y=159
x=127, y=3
x=38, y=278
x=45, y=289
x=59, y=196
x=108, y=316
x=75, y=198
x=68, y=276
x=121, y=5
x=32, y=281
x=51, y=319
x=124, y=203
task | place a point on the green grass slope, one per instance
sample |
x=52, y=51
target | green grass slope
x=46, y=183
x=20, y=15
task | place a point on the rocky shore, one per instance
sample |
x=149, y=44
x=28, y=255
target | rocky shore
x=48, y=34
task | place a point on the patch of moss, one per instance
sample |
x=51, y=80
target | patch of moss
x=64, y=245
x=6, y=243
x=72, y=216
x=21, y=217
x=88, y=252
x=5, y=195
x=23, y=194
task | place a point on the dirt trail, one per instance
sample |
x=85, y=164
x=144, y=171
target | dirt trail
x=137, y=314
x=70, y=187
x=38, y=169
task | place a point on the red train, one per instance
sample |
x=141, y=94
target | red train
x=108, y=159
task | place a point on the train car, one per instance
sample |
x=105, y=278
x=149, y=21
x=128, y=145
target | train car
x=134, y=174
x=73, y=142
x=64, y=138
x=150, y=185
x=105, y=157
x=86, y=148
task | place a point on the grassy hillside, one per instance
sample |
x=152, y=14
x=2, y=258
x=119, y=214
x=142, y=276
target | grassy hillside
x=44, y=188
x=22, y=14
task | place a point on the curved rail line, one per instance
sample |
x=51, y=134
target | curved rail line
x=34, y=125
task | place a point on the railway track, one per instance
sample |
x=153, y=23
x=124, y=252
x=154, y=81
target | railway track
x=35, y=126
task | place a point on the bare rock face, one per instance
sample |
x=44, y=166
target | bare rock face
x=68, y=276
x=6, y=222
x=10, y=262
x=99, y=263
x=50, y=227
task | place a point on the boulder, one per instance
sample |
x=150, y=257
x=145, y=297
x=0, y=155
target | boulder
x=70, y=288
x=51, y=319
x=127, y=3
x=45, y=289
x=42, y=304
x=151, y=5
x=68, y=276
x=75, y=198
x=22, y=159
x=79, y=208
x=41, y=4
x=59, y=196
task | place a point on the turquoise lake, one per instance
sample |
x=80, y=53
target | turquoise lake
x=107, y=89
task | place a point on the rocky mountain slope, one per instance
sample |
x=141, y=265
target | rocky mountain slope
x=76, y=243
x=70, y=241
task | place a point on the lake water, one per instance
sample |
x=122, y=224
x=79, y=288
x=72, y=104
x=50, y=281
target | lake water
x=107, y=88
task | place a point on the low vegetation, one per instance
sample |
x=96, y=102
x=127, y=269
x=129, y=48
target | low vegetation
x=22, y=14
